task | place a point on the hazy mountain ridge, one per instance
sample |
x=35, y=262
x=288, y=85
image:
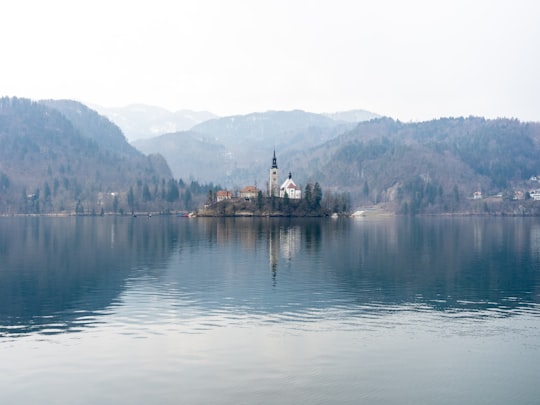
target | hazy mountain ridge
x=429, y=166
x=259, y=127
x=354, y=116
x=94, y=126
x=236, y=150
x=55, y=153
x=48, y=164
x=190, y=155
x=141, y=121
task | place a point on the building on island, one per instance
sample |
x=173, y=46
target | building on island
x=273, y=186
x=249, y=192
x=290, y=188
x=223, y=195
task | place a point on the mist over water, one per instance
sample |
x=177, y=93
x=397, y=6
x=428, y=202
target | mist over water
x=168, y=310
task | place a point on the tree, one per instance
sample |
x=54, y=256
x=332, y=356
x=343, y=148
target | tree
x=259, y=200
x=79, y=210
x=46, y=192
x=317, y=196
x=56, y=186
x=308, y=196
x=4, y=181
x=187, y=199
x=172, y=192
x=115, y=203
x=286, y=201
x=131, y=200
x=146, y=195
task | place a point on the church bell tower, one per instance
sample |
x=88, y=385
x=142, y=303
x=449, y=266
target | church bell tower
x=273, y=188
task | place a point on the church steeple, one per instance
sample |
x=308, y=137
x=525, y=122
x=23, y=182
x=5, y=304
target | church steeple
x=273, y=185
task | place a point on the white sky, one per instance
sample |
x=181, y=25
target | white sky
x=411, y=60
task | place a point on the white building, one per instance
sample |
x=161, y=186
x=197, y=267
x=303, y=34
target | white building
x=289, y=186
x=535, y=194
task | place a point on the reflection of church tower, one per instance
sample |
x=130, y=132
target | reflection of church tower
x=273, y=189
x=273, y=239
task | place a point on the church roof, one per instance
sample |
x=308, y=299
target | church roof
x=289, y=184
x=249, y=189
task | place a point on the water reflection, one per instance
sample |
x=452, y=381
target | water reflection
x=64, y=273
x=59, y=274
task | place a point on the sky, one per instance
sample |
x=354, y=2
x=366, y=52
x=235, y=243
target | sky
x=410, y=60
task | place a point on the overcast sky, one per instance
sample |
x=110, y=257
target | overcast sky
x=411, y=60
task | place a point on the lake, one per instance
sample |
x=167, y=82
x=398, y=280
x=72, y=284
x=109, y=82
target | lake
x=121, y=310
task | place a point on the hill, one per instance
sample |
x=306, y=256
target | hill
x=190, y=155
x=93, y=126
x=56, y=156
x=236, y=150
x=433, y=166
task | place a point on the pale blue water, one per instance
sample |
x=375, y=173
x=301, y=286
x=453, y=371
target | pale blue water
x=265, y=311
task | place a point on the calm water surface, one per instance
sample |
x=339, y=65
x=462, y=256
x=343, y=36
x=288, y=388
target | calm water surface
x=255, y=311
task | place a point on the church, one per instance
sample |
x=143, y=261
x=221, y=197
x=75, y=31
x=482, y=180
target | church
x=288, y=187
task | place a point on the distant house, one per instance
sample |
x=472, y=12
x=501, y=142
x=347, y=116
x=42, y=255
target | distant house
x=535, y=195
x=477, y=195
x=249, y=192
x=223, y=195
x=289, y=186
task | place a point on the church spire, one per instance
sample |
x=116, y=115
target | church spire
x=273, y=186
x=274, y=161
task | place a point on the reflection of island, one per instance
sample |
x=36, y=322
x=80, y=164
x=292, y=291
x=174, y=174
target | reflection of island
x=68, y=271
x=284, y=242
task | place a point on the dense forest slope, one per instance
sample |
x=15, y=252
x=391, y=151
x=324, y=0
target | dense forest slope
x=57, y=156
x=432, y=166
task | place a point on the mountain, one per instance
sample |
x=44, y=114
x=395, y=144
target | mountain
x=271, y=126
x=433, y=166
x=235, y=151
x=190, y=155
x=56, y=155
x=140, y=121
x=94, y=126
x=354, y=116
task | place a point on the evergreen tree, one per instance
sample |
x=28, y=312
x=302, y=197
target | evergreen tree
x=317, y=196
x=46, y=191
x=259, y=200
x=187, y=199
x=172, y=192
x=146, y=193
x=308, y=196
x=115, y=204
x=131, y=200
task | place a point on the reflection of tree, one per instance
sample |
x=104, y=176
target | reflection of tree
x=452, y=263
x=285, y=239
x=284, y=242
x=52, y=267
x=54, y=270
